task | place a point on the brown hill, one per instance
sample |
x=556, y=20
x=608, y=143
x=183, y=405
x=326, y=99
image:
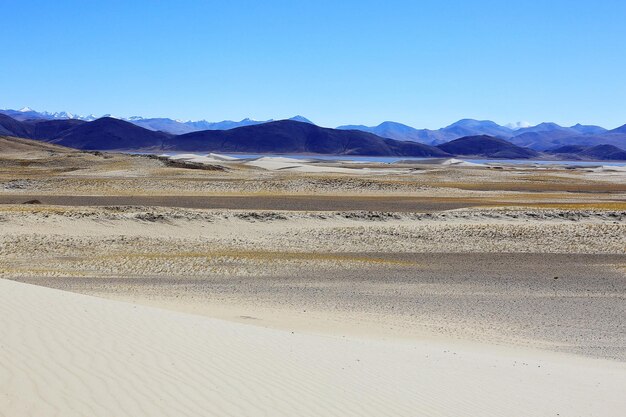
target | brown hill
x=11, y=145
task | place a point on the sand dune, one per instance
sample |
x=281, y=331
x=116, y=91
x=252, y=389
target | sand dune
x=73, y=355
x=279, y=163
x=297, y=165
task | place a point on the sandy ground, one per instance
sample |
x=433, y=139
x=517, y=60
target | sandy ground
x=555, y=279
x=73, y=355
x=519, y=270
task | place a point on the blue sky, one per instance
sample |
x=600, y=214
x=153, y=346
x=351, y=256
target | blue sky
x=424, y=63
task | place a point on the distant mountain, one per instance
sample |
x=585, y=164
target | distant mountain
x=621, y=129
x=588, y=129
x=26, y=113
x=471, y=127
x=546, y=136
x=40, y=129
x=517, y=125
x=546, y=127
x=598, y=152
x=110, y=134
x=162, y=124
x=229, y=124
x=567, y=150
x=399, y=131
x=541, y=137
x=487, y=147
x=465, y=127
x=48, y=129
x=178, y=127
x=605, y=152
x=301, y=119
x=224, y=125
x=287, y=136
x=541, y=140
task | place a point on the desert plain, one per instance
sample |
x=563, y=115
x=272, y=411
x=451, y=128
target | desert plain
x=212, y=285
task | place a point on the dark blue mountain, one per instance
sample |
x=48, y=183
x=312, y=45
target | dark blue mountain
x=487, y=147
x=588, y=129
x=464, y=127
x=287, y=136
x=110, y=134
x=598, y=152
x=12, y=127
x=471, y=127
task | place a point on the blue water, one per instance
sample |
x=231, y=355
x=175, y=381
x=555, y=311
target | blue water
x=544, y=162
x=392, y=159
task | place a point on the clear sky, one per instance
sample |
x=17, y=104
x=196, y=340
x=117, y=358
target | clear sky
x=423, y=63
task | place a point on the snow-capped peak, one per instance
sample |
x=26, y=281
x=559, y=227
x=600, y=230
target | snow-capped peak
x=518, y=125
x=56, y=115
x=63, y=115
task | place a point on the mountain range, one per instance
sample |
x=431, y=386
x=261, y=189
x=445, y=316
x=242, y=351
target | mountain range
x=163, y=124
x=464, y=127
x=487, y=146
x=26, y=113
x=283, y=136
x=542, y=137
x=286, y=137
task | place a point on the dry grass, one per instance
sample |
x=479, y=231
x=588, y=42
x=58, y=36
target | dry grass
x=538, y=186
x=608, y=205
x=87, y=174
x=261, y=256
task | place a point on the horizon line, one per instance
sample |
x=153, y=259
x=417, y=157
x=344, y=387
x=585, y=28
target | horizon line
x=518, y=124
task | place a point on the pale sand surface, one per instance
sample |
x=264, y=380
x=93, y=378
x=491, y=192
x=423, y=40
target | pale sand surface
x=73, y=355
x=582, y=312
x=485, y=275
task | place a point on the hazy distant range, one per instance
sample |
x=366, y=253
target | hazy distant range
x=489, y=138
x=540, y=137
